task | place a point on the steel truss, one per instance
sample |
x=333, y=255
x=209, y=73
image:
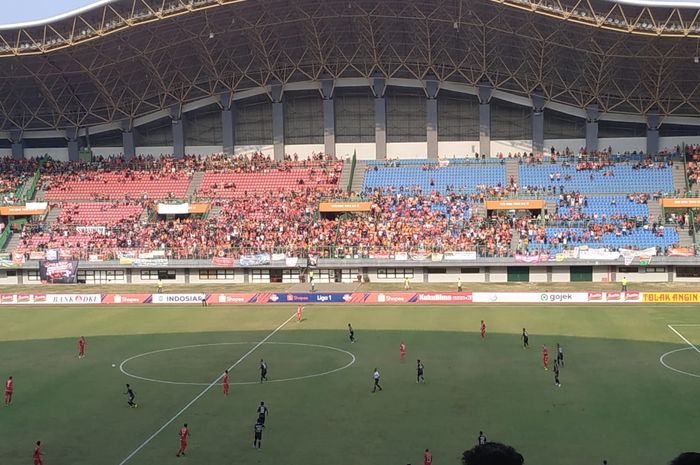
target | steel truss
x=134, y=57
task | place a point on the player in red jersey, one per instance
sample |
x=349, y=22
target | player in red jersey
x=402, y=351
x=37, y=454
x=9, y=388
x=81, y=347
x=184, y=432
x=545, y=356
x=427, y=458
x=226, y=382
x=299, y=310
x=483, y=330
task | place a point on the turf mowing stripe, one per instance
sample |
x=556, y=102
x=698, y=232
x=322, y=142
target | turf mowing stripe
x=204, y=391
x=683, y=337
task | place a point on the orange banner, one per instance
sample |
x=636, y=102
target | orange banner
x=681, y=203
x=198, y=208
x=337, y=207
x=514, y=204
x=22, y=210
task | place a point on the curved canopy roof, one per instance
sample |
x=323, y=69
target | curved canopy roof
x=133, y=57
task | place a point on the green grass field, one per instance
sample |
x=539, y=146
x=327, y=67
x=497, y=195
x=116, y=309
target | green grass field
x=617, y=400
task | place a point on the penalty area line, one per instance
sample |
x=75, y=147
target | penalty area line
x=683, y=337
x=204, y=391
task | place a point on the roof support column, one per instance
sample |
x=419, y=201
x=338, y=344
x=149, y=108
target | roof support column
x=537, y=123
x=485, y=91
x=277, y=120
x=432, y=86
x=228, y=126
x=178, y=127
x=327, y=88
x=592, y=115
x=379, y=87
x=653, y=123
x=128, y=142
x=73, y=145
x=17, y=145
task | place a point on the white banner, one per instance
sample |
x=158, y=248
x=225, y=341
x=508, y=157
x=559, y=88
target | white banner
x=460, y=255
x=401, y=256
x=530, y=297
x=291, y=262
x=597, y=254
x=178, y=298
x=36, y=205
x=173, y=208
x=73, y=299
x=91, y=229
x=278, y=257
x=629, y=255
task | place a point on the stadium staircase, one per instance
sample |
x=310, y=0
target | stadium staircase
x=358, y=177
x=214, y=211
x=52, y=216
x=345, y=175
x=194, y=184
x=512, y=170
x=145, y=216
x=679, y=181
x=12, y=243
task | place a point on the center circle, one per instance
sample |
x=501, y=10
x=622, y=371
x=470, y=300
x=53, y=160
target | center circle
x=123, y=364
x=663, y=362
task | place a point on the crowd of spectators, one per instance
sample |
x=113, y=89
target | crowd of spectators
x=14, y=173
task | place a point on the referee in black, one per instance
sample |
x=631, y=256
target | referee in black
x=376, y=377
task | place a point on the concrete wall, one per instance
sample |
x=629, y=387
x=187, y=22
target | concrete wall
x=498, y=274
x=107, y=151
x=510, y=146
x=407, y=150
x=58, y=153
x=304, y=150
x=602, y=274
x=203, y=150
x=136, y=279
x=248, y=149
x=417, y=276
x=156, y=152
x=668, y=143
x=365, y=151
x=237, y=278
x=643, y=276
x=561, y=144
x=623, y=144
x=457, y=149
x=453, y=273
x=538, y=274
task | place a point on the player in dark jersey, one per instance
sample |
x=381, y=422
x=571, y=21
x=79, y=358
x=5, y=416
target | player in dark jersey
x=560, y=354
x=555, y=368
x=352, y=333
x=263, y=370
x=257, y=440
x=481, y=440
x=419, y=372
x=130, y=396
x=262, y=413
x=526, y=339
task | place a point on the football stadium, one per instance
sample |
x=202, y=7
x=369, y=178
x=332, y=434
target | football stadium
x=351, y=232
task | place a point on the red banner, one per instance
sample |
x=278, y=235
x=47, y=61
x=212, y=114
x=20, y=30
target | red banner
x=613, y=296
x=681, y=252
x=223, y=261
x=595, y=296
x=444, y=297
x=632, y=295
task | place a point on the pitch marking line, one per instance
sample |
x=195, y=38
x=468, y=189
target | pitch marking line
x=683, y=337
x=240, y=383
x=204, y=391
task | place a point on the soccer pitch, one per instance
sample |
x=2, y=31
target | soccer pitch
x=618, y=401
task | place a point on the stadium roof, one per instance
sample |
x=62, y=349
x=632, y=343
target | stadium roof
x=130, y=58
